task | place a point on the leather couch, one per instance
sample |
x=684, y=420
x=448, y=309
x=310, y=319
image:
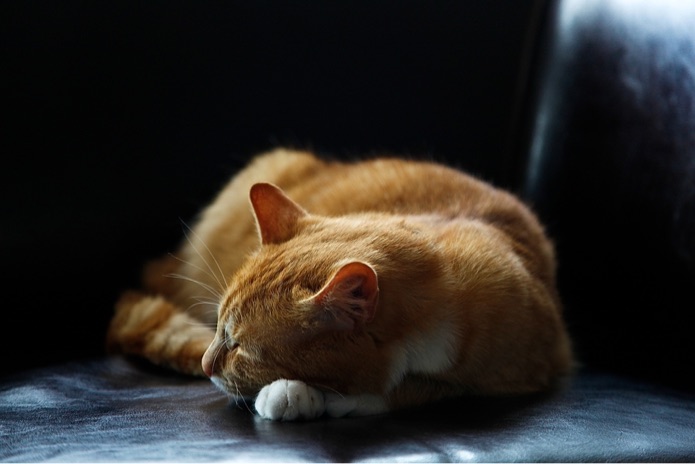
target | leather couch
x=124, y=119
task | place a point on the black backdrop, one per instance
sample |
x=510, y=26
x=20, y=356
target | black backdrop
x=120, y=119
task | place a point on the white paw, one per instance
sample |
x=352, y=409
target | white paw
x=289, y=400
x=354, y=405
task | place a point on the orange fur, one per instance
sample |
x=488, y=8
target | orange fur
x=406, y=280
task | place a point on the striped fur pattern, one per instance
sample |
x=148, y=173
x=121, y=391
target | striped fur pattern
x=316, y=287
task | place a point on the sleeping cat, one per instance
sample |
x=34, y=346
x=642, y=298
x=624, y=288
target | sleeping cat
x=319, y=287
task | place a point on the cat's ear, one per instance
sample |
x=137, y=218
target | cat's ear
x=276, y=214
x=349, y=299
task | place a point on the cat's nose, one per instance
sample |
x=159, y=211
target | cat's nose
x=208, y=361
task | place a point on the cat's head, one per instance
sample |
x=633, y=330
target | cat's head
x=300, y=307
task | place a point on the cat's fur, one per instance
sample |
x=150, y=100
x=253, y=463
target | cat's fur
x=354, y=288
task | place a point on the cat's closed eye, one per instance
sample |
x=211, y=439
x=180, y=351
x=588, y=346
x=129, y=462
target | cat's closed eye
x=232, y=344
x=230, y=341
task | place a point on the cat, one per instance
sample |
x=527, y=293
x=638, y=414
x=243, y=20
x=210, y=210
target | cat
x=323, y=288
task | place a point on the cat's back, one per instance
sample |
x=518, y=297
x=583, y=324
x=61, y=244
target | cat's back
x=409, y=187
x=377, y=184
x=226, y=233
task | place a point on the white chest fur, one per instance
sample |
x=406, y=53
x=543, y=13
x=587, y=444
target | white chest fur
x=429, y=352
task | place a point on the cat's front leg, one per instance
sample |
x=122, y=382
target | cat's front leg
x=289, y=400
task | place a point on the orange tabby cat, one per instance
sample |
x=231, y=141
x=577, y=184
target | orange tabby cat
x=353, y=289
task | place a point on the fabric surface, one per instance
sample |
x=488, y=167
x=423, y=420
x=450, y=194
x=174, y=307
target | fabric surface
x=114, y=409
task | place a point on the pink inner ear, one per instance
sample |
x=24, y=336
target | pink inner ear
x=276, y=214
x=351, y=295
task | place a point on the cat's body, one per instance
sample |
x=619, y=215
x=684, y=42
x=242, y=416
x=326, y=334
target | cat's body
x=354, y=289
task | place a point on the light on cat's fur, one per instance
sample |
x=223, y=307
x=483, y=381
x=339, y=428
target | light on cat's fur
x=354, y=288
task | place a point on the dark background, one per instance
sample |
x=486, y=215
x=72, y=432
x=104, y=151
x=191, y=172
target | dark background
x=121, y=119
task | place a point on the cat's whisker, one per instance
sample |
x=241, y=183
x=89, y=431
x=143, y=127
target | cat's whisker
x=212, y=301
x=205, y=272
x=238, y=397
x=241, y=398
x=218, y=277
x=210, y=304
x=218, y=350
x=198, y=323
x=327, y=388
x=201, y=323
x=205, y=286
x=207, y=301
